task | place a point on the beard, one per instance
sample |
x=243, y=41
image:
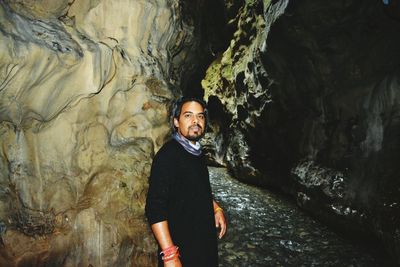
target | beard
x=195, y=137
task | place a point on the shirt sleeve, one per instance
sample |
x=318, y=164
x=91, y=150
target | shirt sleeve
x=156, y=209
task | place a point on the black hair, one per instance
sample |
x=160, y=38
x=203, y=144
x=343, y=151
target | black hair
x=177, y=108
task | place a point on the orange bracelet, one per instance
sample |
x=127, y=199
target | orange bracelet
x=218, y=209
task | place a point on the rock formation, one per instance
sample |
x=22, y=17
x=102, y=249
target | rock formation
x=309, y=95
x=84, y=93
x=304, y=98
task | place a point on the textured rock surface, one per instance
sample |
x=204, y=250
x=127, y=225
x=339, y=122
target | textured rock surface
x=84, y=89
x=304, y=97
x=310, y=105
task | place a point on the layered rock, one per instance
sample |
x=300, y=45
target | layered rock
x=311, y=107
x=84, y=94
x=304, y=99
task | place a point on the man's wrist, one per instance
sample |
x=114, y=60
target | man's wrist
x=170, y=253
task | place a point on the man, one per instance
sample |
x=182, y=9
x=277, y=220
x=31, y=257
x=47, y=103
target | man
x=179, y=207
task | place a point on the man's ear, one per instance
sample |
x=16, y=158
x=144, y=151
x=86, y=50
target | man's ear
x=176, y=122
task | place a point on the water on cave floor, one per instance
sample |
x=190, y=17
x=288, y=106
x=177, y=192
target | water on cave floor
x=265, y=230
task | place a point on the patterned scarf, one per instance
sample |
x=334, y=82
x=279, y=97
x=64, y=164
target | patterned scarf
x=194, y=149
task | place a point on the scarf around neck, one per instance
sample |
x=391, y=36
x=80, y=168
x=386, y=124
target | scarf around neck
x=187, y=145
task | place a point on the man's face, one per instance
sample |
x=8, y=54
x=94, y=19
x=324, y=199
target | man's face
x=191, y=121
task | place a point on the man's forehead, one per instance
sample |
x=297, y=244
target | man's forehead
x=192, y=107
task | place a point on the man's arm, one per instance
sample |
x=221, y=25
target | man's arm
x=161, y=232
x=219, y=219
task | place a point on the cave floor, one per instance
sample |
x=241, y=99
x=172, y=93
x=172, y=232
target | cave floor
x=267, y=230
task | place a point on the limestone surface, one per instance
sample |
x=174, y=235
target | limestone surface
x=84, y=93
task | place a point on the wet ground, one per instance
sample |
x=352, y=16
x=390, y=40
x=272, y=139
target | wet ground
x=265, y=230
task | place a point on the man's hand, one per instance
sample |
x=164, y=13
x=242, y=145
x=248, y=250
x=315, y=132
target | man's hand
x=220, y=223
x=173, y=263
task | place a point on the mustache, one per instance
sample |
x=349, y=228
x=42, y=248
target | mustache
x=196, y=125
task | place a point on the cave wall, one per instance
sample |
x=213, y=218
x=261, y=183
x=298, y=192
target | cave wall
x=303, y=96
x=307, y=102
x=84, y=94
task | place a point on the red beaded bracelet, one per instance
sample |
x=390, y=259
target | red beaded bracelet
x=169, y=249
x=172, y=257
x=169, y=253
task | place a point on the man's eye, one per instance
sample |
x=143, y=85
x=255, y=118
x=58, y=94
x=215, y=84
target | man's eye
x=201, y=117
x=187, y=116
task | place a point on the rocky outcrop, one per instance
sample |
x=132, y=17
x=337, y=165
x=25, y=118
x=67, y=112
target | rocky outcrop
x=84, y=91
x=309, y=97
x=304, y=98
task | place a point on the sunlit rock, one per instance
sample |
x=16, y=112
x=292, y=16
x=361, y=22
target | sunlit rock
x=40, y=9
x=84, y=94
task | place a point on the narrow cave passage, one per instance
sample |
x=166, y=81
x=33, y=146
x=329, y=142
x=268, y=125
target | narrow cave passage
x=268, y=230
x=304, y=99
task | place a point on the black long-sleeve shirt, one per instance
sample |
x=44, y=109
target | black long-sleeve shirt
x=180, y=193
